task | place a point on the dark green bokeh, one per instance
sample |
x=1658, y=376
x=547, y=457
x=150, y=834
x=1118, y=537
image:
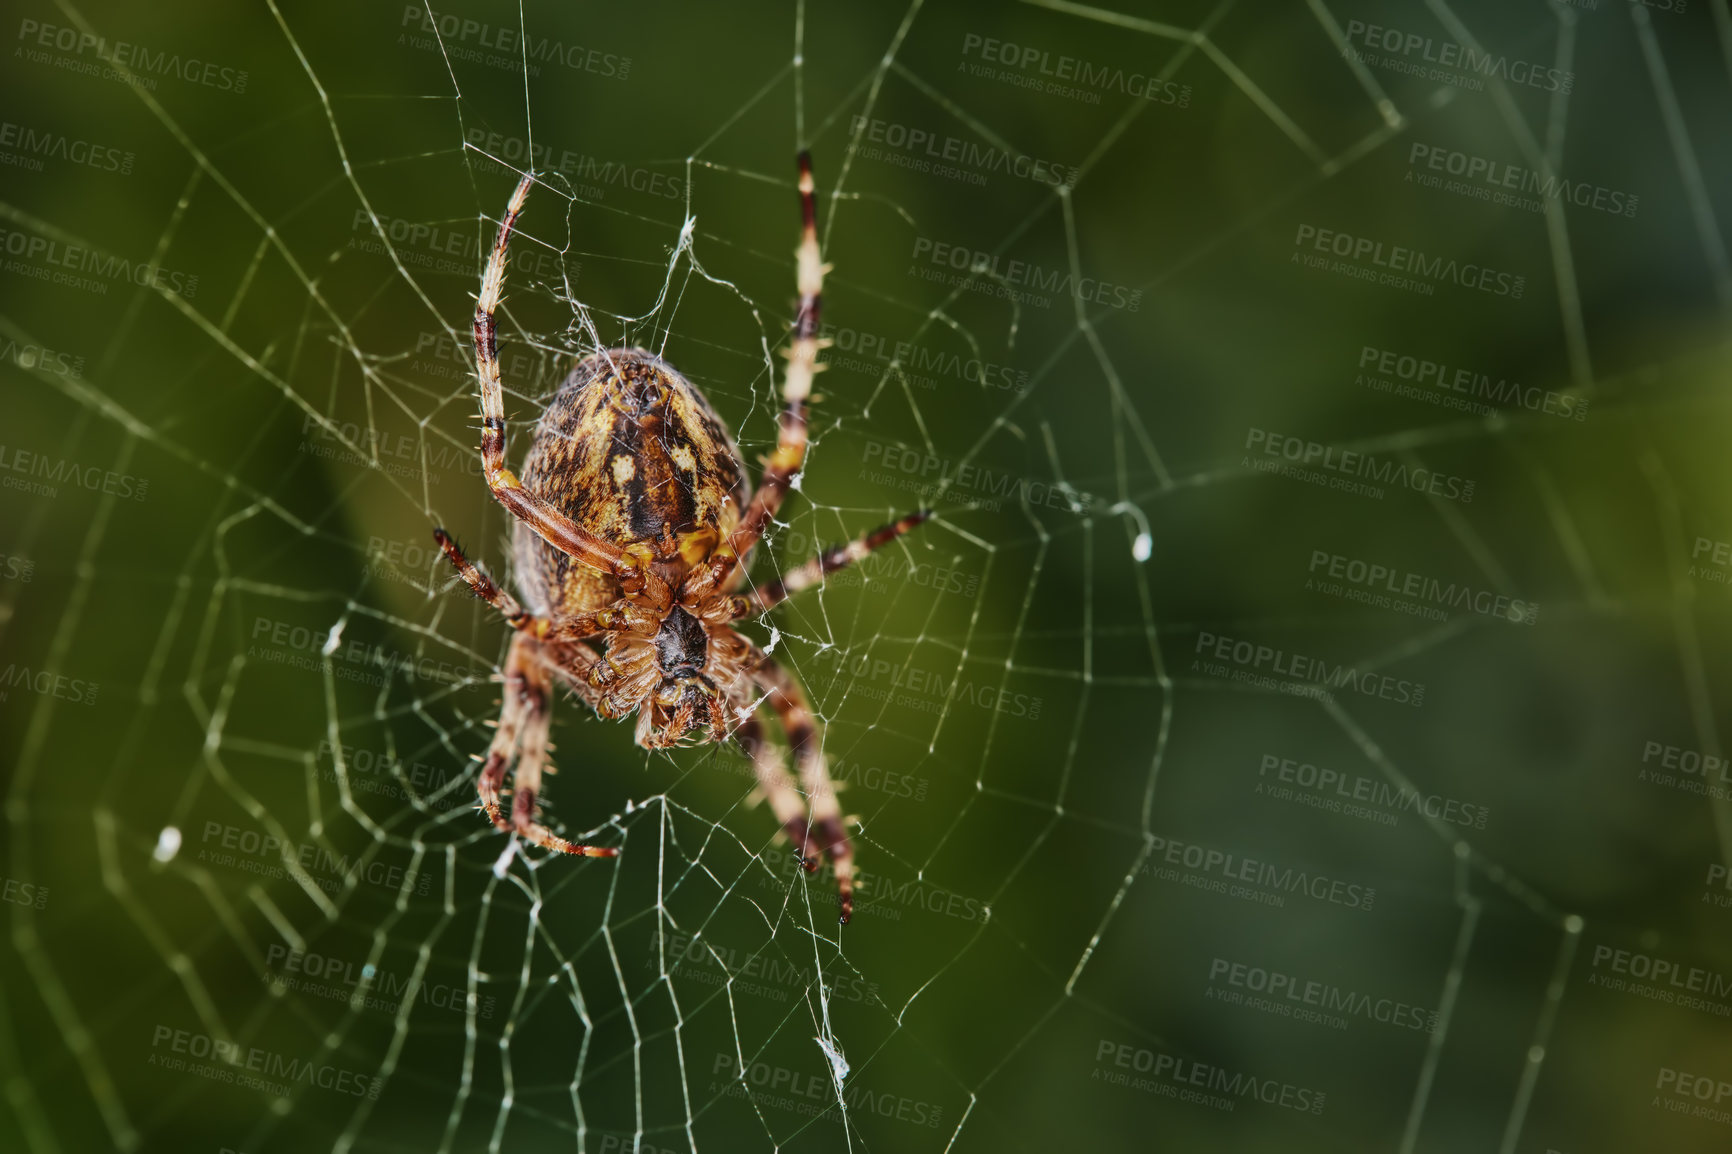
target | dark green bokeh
x=1089, y=821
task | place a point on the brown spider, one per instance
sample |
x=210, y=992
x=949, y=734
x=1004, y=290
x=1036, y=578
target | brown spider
x=634, y=524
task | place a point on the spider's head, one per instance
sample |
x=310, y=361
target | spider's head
x=684, y=707
x=684, y=710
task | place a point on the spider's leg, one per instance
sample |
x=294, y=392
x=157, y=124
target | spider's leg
x=630, y=567
x=523, y=726
x=622, y=614
x=812, y=572
x=483, y=585
x=803, y=364
x=516, y=707
x=778, y=787
x=789, y=701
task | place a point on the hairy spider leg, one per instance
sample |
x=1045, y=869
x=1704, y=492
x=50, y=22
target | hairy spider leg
x=523, y=724
x=567, y=628
x=803, y=364
x=812, y=572
x=482, y=585
x=630, y=566
x=825, y=824
x=773, y=779
x=526, y=714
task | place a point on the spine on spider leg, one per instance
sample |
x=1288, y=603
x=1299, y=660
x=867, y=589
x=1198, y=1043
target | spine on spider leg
x=481, y=584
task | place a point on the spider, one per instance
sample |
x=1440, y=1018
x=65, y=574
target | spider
x=634, y=525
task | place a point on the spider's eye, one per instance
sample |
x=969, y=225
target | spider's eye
x=668, y=694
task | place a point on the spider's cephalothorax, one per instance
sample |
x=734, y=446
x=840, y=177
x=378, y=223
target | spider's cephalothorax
x=634, y=524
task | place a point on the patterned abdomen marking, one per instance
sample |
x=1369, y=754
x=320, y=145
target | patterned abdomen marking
x=631, y=451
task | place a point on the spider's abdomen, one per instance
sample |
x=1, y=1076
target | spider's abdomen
x=631, y=451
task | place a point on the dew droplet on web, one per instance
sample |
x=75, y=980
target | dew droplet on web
x=167, y=844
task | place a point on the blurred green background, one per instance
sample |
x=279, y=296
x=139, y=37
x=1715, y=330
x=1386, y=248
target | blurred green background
x=1297, y=730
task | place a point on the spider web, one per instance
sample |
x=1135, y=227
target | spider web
x=1296, y=728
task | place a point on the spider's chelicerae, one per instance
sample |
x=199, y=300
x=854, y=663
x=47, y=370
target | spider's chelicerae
x=635, y=521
